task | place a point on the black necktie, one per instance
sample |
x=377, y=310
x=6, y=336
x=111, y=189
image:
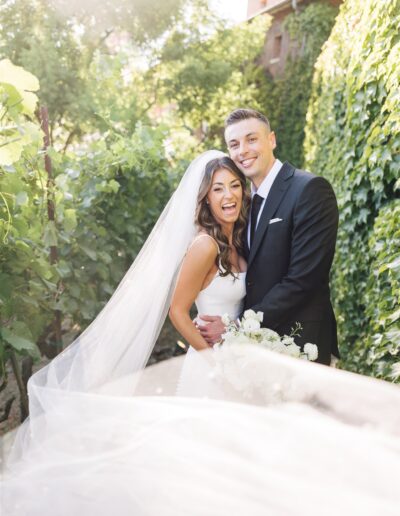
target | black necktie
x=255, y=208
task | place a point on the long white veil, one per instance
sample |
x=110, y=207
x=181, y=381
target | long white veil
x=120, y=340
x=273, y=435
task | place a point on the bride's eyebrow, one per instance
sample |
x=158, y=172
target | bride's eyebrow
x=222, y=184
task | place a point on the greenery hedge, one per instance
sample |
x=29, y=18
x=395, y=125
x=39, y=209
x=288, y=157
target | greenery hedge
x=107, y=197
x=286, y=97
x=353, y=139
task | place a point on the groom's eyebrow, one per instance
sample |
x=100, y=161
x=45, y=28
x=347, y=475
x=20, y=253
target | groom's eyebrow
x=246, y=136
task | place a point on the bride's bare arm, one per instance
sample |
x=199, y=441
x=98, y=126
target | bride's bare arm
x=198, y=263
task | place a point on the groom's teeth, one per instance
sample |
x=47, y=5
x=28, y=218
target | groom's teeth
x=248, y=162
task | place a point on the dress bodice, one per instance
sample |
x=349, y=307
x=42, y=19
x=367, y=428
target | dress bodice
x=224, y=295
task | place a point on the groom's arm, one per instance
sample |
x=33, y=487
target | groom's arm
x=313, y=242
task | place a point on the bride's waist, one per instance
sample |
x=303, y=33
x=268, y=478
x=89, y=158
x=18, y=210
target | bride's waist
x=233, y=314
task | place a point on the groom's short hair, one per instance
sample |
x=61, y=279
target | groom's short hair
x=244, y=114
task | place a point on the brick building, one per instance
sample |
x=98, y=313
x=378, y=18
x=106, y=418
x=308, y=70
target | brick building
x=277, y=44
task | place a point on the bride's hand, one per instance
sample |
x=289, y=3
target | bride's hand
x=212, y=331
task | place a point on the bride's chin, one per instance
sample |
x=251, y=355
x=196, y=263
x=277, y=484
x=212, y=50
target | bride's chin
x=231, y=217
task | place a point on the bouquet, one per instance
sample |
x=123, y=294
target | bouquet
x=249, y=331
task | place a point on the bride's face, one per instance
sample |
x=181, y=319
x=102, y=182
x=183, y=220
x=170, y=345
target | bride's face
x=225, y=196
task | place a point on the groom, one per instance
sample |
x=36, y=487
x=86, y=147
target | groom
x=290, y=240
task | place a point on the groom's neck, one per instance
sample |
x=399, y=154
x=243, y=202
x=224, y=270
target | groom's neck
x=260, y=178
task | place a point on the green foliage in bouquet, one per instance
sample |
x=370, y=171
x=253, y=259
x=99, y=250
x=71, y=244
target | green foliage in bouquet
x=353, y=139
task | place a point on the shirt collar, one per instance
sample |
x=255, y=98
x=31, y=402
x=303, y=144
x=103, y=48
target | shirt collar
x=265, y=186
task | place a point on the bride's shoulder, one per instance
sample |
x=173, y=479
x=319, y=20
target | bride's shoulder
x=205, y=242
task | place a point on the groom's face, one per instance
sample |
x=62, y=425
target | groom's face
x=251, y=146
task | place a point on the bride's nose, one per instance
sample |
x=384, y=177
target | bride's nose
x=228, y=193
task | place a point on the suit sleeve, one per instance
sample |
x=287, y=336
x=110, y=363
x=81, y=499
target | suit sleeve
x=315, y=223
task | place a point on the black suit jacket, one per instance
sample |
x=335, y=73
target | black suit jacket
x=289, y=261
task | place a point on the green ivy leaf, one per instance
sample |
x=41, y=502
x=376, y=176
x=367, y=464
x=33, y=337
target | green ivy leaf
x=70, y=220
x=21, y=199
x=50, y=234
x=20, y=344
x=90, y=252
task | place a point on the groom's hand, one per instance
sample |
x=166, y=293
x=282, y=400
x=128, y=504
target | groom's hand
x=212, y=331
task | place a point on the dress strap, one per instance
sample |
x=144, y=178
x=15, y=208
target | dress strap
x=206, y=235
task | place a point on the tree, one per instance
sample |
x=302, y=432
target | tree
x=217, y=72
x=24, y=268
x=62, y=43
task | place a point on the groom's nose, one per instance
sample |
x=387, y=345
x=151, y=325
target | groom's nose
x=242, y=148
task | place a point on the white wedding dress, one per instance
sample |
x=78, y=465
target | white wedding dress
x=223, y=295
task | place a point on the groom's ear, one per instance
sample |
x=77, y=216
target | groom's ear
x=226, y=141
x=272, y=139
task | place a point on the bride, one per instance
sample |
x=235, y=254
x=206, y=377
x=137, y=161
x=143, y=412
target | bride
x=273, y=435
x=213, y=271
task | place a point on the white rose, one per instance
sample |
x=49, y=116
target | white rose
x=275, y=345
x=293, y=350
x=271, y=335
x=311, y=350
x=243, y=339
x=288, y=341
x=228, y=337
x=249, y=314
x=250, y=325
x=225, y=319
x=260, y=316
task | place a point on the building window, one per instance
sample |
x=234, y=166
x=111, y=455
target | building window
x=276, y=49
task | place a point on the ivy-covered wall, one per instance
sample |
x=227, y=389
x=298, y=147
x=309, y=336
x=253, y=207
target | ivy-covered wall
x=353, y=139
x=286, y=98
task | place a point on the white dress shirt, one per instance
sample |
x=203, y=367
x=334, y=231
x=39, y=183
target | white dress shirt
x=263, y=191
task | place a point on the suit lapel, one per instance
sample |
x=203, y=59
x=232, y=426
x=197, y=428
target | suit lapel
x=275, y=196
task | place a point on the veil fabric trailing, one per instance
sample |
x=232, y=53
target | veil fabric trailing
x=273, y=435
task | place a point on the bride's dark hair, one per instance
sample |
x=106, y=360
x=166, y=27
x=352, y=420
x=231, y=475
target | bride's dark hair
x=206, y=221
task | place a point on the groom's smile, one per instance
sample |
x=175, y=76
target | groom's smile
x=247, y=162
